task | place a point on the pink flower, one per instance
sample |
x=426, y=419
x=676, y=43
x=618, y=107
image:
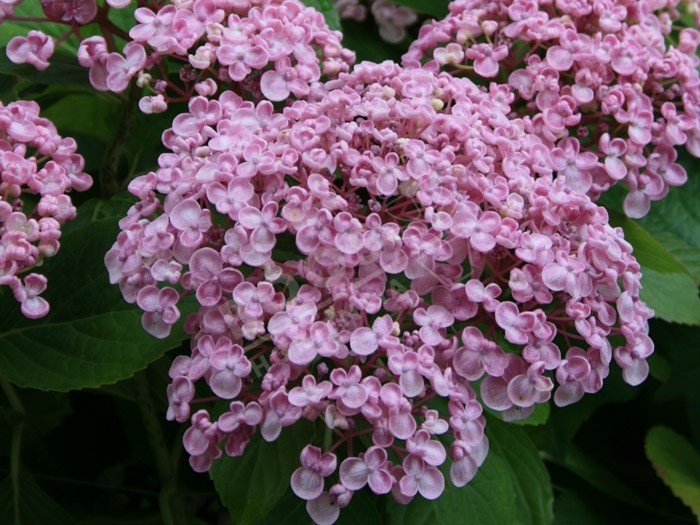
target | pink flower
x=27, y=293
x=120, y=70
x=307, y=481
x=517, y=325
x=479, y=228
x=229, y=366
x=160, y=310
x=421, y=477
x=191, y=220
x=478, y=355
x=525, y=390
x=370, y=468
x=486, y=58
x=431, y=322
x=309, y=393
x=35, y=49
x=209, y=278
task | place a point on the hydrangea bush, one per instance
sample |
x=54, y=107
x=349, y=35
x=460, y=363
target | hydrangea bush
x=388, y=252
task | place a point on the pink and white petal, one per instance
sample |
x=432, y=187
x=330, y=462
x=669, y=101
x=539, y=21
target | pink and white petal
x=380, y=481
x=306, y=483
x=34, y=307
x=353, y=473
x=363, y=341
x=431, y=483
x=411, y=382
x=568, y=394
x=153, y=323
x=274, y=86
x=463, y=471
x=225, y=384
x=402, y=425
x=324, y=510
x=636, y=373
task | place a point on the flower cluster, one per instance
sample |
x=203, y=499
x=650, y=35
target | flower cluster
x=609, y=85
x=36, y=48
x=268, y=49
x=366, y=259
x=37, y=169
x=391, y=19
x=259, y=48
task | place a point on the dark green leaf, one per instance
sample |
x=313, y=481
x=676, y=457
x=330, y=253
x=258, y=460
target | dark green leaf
x=36, y=507
x=76, y=113
x=44, y=411
x=600, y=477
x=64, y=70
x=362, y=510
x=512, y=486
x=677, y=463
x=91, y=336
x=367, y=44
x=434, y=8
x=572, y=509
x=252, y=485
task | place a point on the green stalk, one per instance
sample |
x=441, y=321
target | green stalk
x=110, y=183
x=18, y=414
x=170, y=500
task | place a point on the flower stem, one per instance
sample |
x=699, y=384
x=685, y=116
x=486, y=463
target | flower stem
x=18, y=414
x=170, y=500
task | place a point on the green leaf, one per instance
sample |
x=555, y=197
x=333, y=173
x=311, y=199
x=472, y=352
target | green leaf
x=572, y=509
x=362, y=510
x=667, y=245
x=648, y=251
x=252, y=485
x=564, y=422
x=36, y=507
x=669, y=287
x=328, y=10
x=673, y=296
x=512, y=486
x=675, y=222
x=44, y=411
x=32, y=9
x=600, y=477
x=291, y=510
x=64, y=70
x=539, y=417
x=91, y=336
x=434, y=8
x=677, y=463
x=75, y=113
x=367, y=44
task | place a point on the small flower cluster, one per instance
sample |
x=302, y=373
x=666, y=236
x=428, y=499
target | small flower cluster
x=610, y=86
x=269, y=49
x=36, y=48
x=37, y=169
x=373, y=254
x=391, y=19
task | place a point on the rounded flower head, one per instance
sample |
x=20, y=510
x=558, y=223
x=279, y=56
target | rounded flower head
x=395, y=238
